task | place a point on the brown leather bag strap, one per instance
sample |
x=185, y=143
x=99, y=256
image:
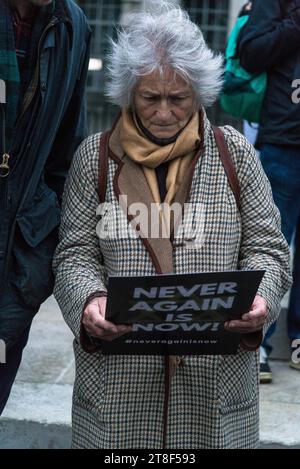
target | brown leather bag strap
x=228, y=165
x=103, y=160
x=103, y=166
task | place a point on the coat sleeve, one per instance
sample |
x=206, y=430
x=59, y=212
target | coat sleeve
x=263, y=245
x=72, y=130
x=268, y=37
x=78, y=262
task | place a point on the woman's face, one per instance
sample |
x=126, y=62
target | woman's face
x=164, y=103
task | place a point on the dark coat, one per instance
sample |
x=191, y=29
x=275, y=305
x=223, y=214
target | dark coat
x=270, y=42
x=47, y=135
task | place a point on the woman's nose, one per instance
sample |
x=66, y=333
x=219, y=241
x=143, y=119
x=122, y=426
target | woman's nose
x=164, y=112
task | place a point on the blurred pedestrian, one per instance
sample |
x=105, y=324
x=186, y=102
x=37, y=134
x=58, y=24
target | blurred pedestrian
x=270, y=43
x=44, y=56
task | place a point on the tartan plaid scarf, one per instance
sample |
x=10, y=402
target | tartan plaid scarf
x=9, y=70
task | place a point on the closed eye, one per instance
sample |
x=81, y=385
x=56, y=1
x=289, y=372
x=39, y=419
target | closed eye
x=151, y=98
x=178, y=98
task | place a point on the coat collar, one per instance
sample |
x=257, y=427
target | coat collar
x=62, y=14
x=130, y=180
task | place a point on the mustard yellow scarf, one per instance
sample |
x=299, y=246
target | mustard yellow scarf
x=150, y=155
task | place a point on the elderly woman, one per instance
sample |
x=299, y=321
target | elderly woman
x=162, y=148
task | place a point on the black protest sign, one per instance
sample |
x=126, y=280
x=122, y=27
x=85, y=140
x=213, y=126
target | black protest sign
x=179, y=313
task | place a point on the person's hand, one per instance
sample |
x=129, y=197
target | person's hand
x=95, y=324
x=252, y=321
x=248, y=6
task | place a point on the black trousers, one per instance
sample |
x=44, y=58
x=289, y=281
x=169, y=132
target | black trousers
x=8, y=370
x=15, y=323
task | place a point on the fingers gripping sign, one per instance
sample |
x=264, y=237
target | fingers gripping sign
x=252, y=321
x=95, y=324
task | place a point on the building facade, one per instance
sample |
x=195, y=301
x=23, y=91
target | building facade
x=215, y=18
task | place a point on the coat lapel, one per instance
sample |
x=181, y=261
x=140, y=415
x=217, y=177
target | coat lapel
x=130, y=181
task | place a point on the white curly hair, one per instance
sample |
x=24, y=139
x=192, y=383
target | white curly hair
x=162, y=35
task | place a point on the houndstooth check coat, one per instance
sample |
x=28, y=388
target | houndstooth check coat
x=212, y=402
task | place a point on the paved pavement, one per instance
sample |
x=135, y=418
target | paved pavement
x=38, y=414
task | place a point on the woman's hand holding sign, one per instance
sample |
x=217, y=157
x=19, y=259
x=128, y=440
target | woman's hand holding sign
x=252, y=321
x=95, y=324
